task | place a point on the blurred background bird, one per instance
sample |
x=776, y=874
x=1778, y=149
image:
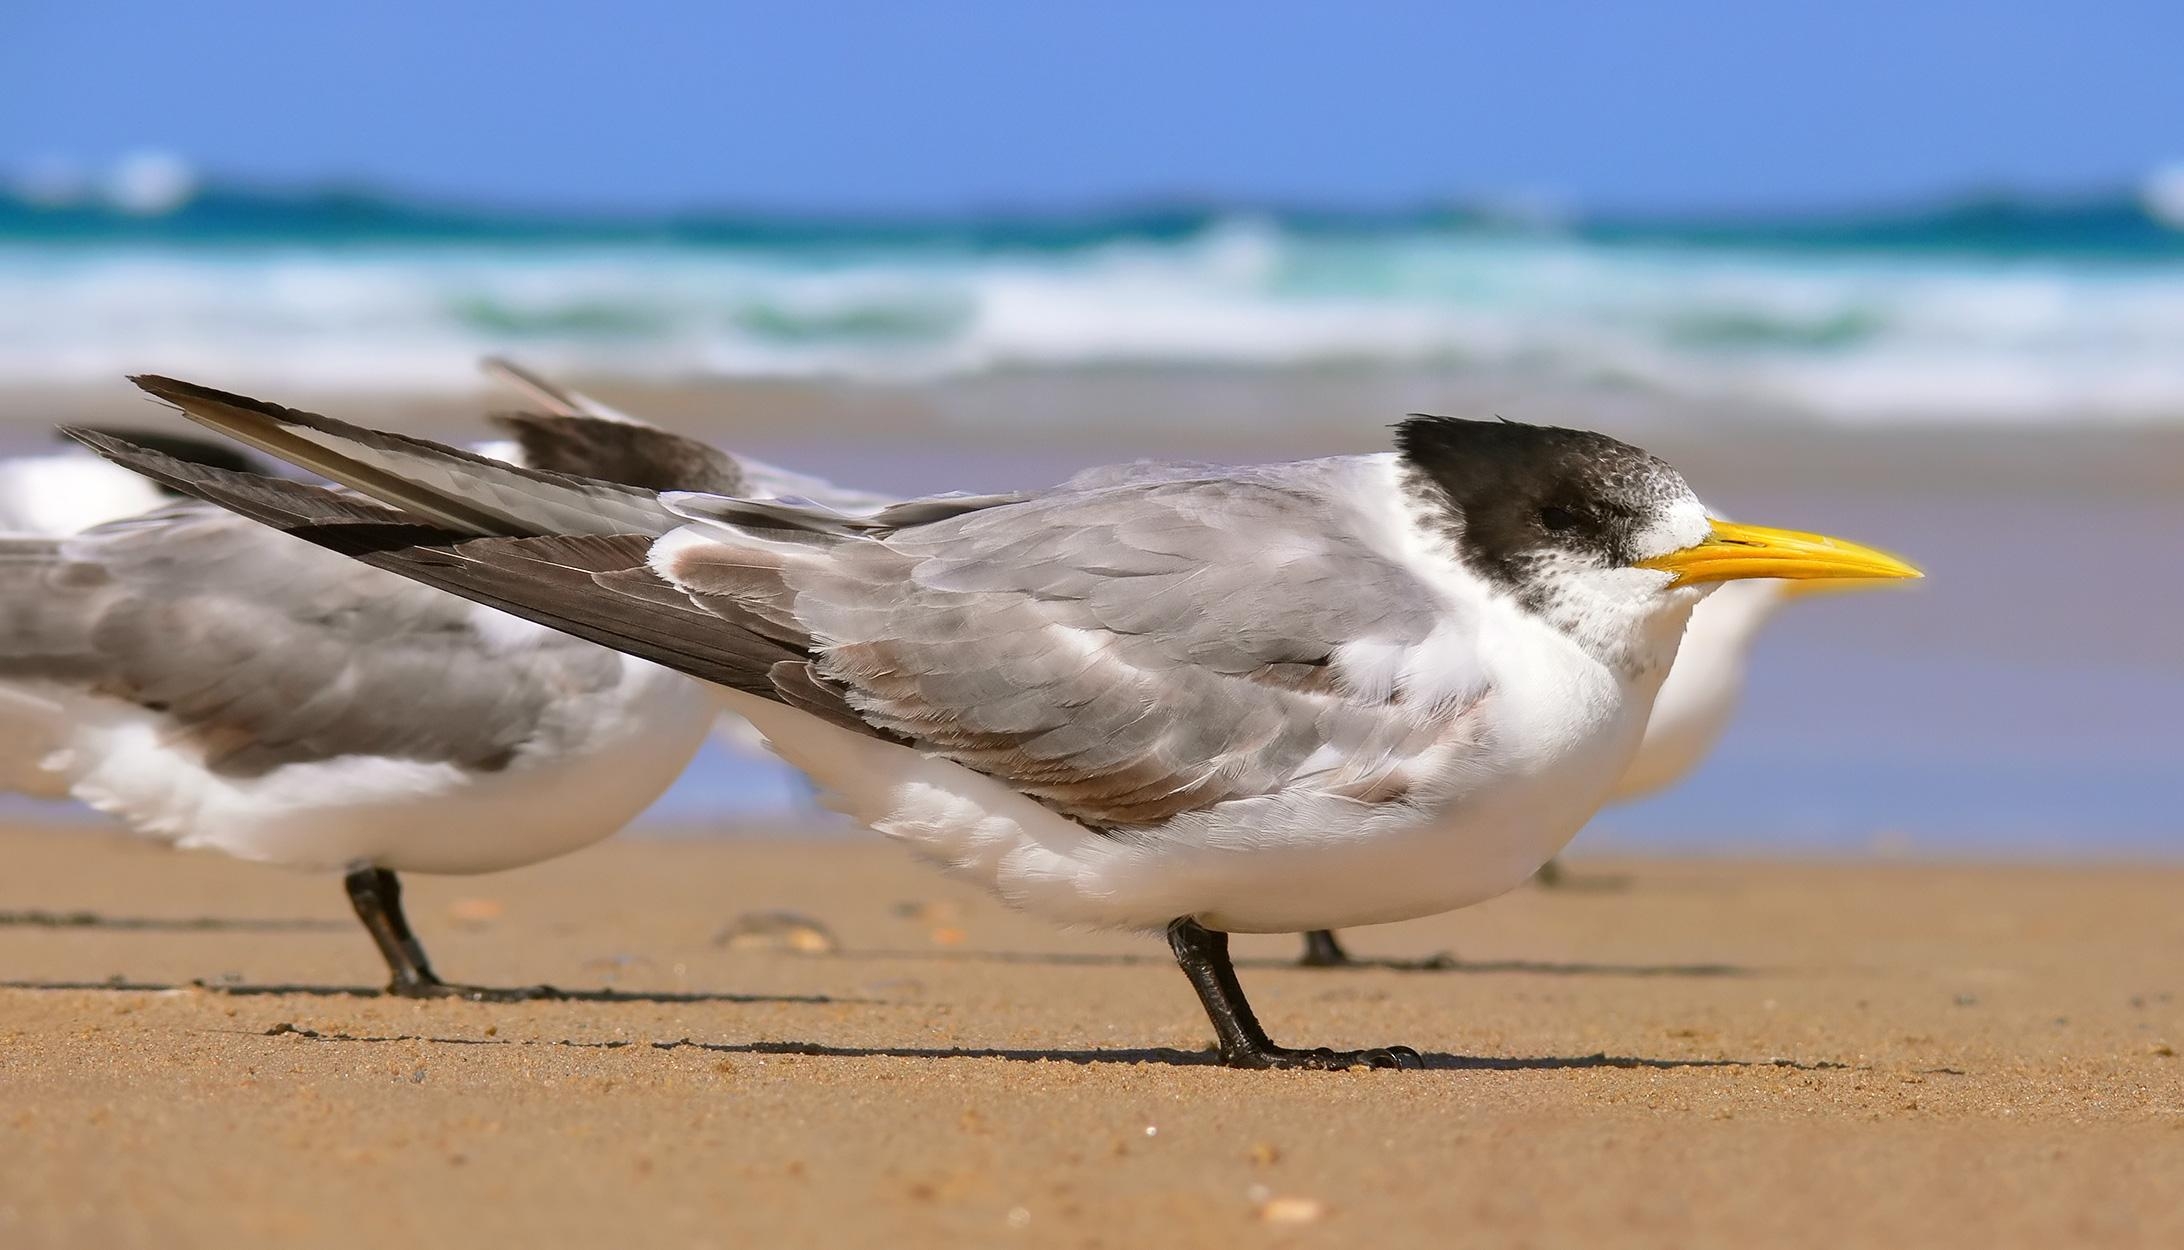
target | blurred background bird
x=1692, y=711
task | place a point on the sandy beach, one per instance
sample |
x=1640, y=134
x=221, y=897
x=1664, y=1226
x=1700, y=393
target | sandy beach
x=1877, y=942
x=1676, y=1052
x=1672, y=1053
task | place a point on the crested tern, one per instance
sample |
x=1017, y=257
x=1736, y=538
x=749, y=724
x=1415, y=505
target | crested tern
x=213, y=683
x=1264, y=699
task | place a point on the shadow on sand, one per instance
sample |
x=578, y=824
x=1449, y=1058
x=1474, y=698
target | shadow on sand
x=1154, y=1055
x=529, y=994
x=1432, y=963
x=165, y=924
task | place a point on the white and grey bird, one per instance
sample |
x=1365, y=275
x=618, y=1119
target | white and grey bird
x=214, y=683
x=1690, y=713
x=1269, y=699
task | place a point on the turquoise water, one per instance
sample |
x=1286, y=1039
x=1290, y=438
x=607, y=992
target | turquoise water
x=2025, y=698
x=1993, y=310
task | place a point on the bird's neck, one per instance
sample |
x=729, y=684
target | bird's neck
x=1633, y=631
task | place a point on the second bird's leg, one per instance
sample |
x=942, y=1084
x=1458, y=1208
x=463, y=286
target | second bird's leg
x=1203, y=955
x=376, y=894
x=1321, y=950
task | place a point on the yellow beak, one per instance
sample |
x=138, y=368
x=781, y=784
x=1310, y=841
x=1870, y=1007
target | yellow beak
x=1733, y=552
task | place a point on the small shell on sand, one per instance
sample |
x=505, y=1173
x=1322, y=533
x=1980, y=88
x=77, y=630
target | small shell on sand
x=1290, y=1210
x=777, y=931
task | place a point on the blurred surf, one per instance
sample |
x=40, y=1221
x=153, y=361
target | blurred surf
x=1990, y=310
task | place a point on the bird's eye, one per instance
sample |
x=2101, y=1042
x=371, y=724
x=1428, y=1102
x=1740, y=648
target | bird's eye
x=1557, y=518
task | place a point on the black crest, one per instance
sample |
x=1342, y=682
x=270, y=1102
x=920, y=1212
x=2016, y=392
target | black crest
x=1513, y=493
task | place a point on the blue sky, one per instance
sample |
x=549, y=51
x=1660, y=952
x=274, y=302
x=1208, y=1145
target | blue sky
x=1663, y=106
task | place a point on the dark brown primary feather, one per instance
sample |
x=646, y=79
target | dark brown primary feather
x=555, y=580
x=220, y=453
x=624, y=452
x=447, y=486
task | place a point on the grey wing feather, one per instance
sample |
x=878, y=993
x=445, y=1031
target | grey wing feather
x=1135, y=471
x=1124, y=655
x=266, y=652
x=774, y=482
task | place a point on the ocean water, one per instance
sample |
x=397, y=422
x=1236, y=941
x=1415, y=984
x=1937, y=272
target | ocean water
x=2023, y=700
x=1990, y=311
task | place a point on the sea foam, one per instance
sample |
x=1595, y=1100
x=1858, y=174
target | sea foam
x=1842, y=324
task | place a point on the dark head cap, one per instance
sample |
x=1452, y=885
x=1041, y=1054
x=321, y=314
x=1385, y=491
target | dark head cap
x=1516, y=496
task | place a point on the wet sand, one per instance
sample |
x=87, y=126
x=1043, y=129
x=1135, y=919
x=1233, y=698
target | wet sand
x=1668, y=1053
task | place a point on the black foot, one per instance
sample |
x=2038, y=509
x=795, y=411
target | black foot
x=1203, y=955
x=1321, y=950
x=1325, y=1060
x=1550, y=874
x=437, y=988
x=377, y=896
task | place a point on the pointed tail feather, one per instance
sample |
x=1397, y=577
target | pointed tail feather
x=220, y=453
x=444, y=485
x=594, y=586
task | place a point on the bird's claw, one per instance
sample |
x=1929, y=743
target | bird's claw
x=1323, y=1059
x=475, y=993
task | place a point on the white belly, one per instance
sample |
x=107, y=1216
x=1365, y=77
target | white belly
x=1275, y=865
x=405, y=815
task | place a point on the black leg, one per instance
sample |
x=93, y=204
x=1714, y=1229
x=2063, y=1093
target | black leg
x=1203, y=956
x=1321, y=950
x=1549, y=875
x=377, y=896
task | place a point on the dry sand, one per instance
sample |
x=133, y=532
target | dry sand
x=1686, y=1054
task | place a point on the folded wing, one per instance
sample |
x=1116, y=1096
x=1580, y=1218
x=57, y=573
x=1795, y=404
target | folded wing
x=1123, y=654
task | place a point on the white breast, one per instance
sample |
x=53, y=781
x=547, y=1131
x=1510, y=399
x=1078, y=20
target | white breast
x=622, y=749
